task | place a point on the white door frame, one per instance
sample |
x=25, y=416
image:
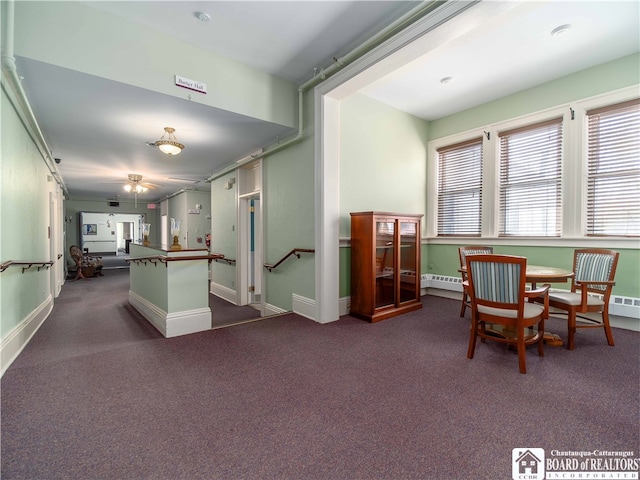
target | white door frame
x=250, y=188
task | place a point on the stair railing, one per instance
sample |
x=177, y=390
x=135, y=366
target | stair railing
x=295, y=251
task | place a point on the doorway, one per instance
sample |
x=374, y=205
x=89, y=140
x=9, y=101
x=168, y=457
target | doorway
x=125, y=233
x=249, y=270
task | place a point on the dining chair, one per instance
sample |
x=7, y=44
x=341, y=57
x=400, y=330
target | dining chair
x=499, y=312
x=463, y=252
x=594, y=270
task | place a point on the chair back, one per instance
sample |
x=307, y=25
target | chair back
x=594, y=265
x=497, y=280
x=472, y=250
x=76, y=254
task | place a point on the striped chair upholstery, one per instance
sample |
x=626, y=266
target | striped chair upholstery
x=462, y=253
x=499, y=310
x=497, y=282
x=592, y=266
x=594, y=272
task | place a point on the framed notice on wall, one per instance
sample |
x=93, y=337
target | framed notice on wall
x=90, y=229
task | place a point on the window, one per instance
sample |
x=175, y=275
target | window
x=613, y=170
x=530, y=180
x=460, y=189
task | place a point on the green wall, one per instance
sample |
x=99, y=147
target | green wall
x=289, y=217
x=445, y=261
x=369, y=181
x=382, y=160
x=607, y=77
x=25, y=185
x=383, y=165
x=105, y=45
x=223, y=231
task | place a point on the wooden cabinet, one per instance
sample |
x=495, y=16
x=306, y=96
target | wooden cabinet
x=385, y=264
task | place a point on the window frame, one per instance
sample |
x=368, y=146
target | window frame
x=574, y=176
x=502, y=202
x=478, y=140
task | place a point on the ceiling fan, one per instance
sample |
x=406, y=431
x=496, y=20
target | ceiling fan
x=136, y=185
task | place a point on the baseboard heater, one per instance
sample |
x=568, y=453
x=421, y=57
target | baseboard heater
x=618, y=305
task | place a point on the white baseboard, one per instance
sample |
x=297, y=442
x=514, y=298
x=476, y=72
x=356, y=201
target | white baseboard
x=172, y=324
x=344, y=306
x=304, y=306
x=18, y=338
x=273, y=310
x=223, y=292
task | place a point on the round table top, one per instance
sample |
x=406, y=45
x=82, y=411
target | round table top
x=549, y=274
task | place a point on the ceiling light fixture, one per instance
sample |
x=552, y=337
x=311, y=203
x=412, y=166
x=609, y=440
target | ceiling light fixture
x=168, y=143
x=203, y=16
x=561, y=30
x=134, y=186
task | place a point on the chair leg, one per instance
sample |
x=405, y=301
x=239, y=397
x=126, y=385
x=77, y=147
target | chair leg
x=463, y=308
x=541, y=341
x=522, y=352
x=607, y=327
x=571, y=320
x=472, y=338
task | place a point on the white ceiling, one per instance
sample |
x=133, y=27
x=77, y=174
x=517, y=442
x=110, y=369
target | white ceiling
x=508, y=51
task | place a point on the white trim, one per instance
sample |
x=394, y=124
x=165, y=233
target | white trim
x=327, y=98
x=345, y=305
x=14, y=342
x=223, y=292
x=304, y=306
x=270, y=310
x=172, y=324
x=327, y=200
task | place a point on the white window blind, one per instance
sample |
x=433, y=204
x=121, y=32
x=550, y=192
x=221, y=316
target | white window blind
x=613, y=170
x=460, y=189
x=530, y=180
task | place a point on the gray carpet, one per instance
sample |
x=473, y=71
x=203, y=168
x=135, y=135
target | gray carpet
x=100, y=394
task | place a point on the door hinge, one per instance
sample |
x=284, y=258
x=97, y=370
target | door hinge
x=252, y=288
x=252, y=209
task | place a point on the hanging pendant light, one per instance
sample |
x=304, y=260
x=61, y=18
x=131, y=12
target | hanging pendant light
x=168, y=143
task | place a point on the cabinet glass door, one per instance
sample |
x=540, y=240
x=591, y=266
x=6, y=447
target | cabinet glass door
x=385, y=269
x=408, y=267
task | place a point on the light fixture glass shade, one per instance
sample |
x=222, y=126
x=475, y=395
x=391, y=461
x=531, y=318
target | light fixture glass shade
x=135, y=188
x=168, y=143
x=175, y=233
x=146, y=227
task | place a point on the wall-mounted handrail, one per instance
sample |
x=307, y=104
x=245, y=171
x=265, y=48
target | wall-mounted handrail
x=11, y=263
x=164, y=259
x=295, y=251
x=222, y=258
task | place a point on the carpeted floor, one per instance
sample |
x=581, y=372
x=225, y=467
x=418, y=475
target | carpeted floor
x=99, y=394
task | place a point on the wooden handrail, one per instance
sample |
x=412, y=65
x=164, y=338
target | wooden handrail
x=230, y=261
x=164, y=259
x=295, y=251
x=11, y=263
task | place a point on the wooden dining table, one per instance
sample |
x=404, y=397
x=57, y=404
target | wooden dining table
x=541, y=274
